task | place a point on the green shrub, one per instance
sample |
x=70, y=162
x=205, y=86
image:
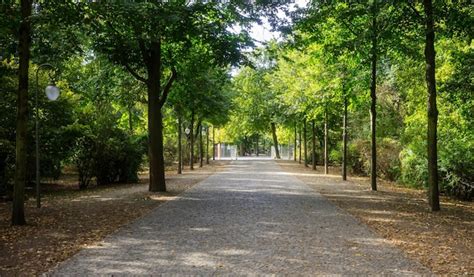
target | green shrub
x=116, y=157
x=388, y=163
x=171, y=151
x=84, y=160
x=414, y=170
x=456, y=166
x=358, y=157
x=7, y=162
x=335, y=156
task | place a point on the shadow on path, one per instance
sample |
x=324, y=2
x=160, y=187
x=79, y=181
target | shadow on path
x=249, y=219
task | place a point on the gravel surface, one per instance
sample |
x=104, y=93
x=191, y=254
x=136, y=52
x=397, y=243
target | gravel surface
x=250, y=219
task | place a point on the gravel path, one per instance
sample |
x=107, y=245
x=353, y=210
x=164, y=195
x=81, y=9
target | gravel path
x=251, y=219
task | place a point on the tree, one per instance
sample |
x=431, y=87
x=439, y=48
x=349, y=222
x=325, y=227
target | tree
x=18, y=214
x=258, y=105
x=373, y=23
x=432, y=108
x=164, y=32
x=200, y=94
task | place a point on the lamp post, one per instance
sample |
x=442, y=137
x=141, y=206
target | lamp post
x=187, y=131
x=180, y=155
x=201, y=145
x=52, y=92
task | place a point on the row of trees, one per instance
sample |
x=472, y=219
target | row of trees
x=134, y=75
x=345, y=58
x=118, y=62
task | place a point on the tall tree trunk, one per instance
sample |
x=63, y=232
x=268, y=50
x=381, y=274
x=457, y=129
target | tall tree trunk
x=275, y=141
x=191, y=143
x=207, y=145
x=299, y=145
x=432, y=108
x=18, y=211
x=305, y=136
x=155, y=121
x=313, y=138
x=256, y=150
x=326, y=154
x=373, y=112
x=213, y=143
x=201, y=147
x=294, y=151
x=180, y=151
x=344, y=140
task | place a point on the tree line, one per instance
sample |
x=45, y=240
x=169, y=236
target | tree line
x=355, y=84
x=117, y=63
x=358, y=78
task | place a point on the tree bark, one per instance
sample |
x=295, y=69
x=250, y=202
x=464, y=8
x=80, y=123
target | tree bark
x=155, y=120
x=313, y=138
x=180, y=152
x=326, y=154
x=191, y=143
x=207, y=145
x=373, y=111
x=294, y=151
x=213, y=143
x=18, y=210
x=256, y=148
x=299, y=145
x=201, y=147
x=433, y=189
x=275, y=141
x=305, y=141
x=344, y=140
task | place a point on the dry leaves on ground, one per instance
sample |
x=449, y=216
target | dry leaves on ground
x=69, y=221
x=442, y=241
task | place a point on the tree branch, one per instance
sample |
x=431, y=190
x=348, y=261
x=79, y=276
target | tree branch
x=135, y=74
x=145, y=55
x=414, y=9
x=167, y=87
x=349, y=27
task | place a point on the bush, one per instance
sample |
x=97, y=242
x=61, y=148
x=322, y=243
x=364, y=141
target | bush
x=7, y=162
x=358, y=157
x=388, y=162
x=335, y=156
x=456, y=166
x=114, y=158
x=455, y=159
x=84, y=160
x=414, y=170
x=171, y=150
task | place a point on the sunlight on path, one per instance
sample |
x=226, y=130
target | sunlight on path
x=247, y=220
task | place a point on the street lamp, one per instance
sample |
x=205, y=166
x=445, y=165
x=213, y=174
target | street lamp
x=180, y=154
x=52, y=92
x=187, y=131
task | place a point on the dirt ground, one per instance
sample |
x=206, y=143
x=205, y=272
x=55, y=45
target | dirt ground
x=70, y=219
x=442, y=241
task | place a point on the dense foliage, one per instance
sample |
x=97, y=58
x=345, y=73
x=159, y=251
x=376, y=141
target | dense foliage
x=134, y=76
x=327, y=60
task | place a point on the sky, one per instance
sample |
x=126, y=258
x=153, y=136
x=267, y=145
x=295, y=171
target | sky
x=263, y=33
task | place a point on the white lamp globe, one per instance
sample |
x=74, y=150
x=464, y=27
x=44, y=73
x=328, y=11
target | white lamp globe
x=52, y=92
x=187, y=131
